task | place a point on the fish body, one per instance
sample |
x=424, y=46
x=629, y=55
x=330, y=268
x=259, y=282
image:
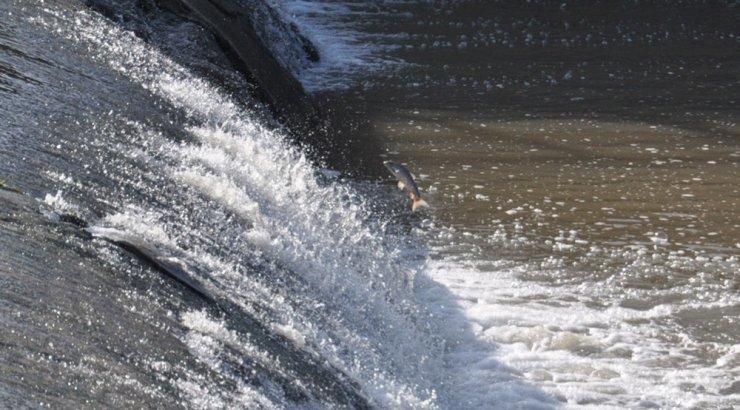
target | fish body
x=406, y=183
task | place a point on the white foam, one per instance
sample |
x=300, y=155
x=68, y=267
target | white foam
x=561, y=344
x=320, y=233
x=59, y=205
x=290, y=333
x=345, y=53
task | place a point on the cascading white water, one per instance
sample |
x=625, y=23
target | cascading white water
x=356, y=308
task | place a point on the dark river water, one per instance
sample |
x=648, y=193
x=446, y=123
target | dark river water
x=583, y=163
x=163, y=243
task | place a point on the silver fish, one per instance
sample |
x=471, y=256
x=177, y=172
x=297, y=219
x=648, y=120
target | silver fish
x=406, y=183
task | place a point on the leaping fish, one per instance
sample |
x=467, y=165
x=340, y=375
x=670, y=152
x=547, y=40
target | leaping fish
x=406, y=183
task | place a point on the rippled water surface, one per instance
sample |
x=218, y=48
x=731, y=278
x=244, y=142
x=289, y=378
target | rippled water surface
x=583, y=162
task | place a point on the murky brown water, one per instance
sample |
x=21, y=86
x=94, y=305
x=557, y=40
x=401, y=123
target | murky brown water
x=619, y=122
x=591, y=149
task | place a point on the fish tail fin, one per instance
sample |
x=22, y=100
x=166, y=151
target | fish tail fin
x=419, y=203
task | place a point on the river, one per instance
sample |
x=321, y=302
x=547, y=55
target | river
x=167, y=241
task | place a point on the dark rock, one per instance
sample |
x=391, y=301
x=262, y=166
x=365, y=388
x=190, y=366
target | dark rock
x=104, y=9
x=168, y=266
x=312, y=53
x=230, y=22
x=73, y=219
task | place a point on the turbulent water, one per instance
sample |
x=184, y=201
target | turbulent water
x=165, y=243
